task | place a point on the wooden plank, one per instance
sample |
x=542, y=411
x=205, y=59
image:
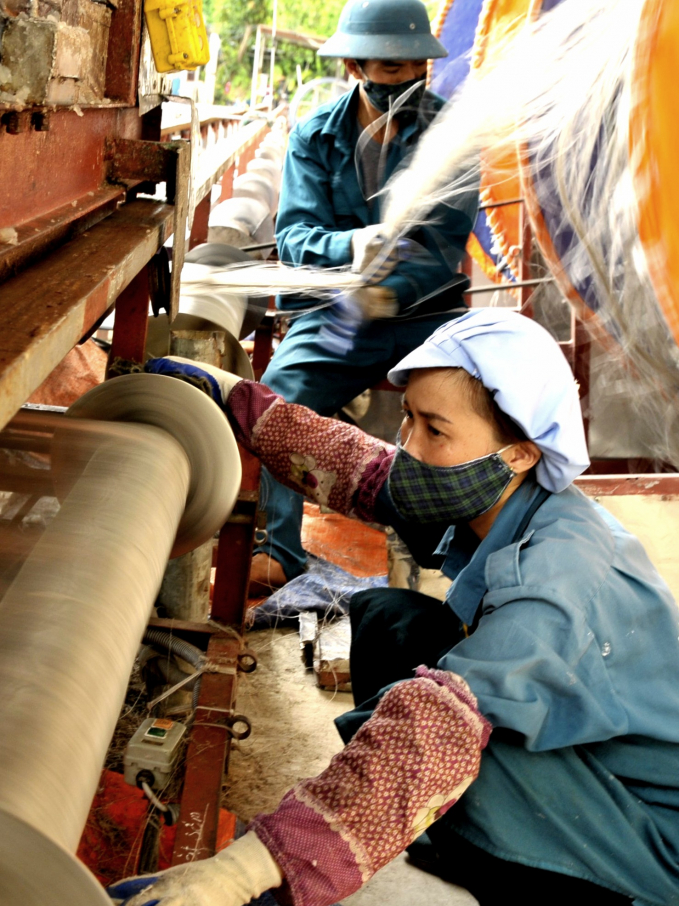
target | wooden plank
x=47, y=309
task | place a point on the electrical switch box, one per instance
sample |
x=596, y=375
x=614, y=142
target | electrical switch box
x=154, y=747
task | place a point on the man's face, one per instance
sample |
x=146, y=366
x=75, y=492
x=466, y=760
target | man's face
x=390, y=72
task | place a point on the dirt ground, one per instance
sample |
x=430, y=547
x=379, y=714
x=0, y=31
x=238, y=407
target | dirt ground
x=293, y=735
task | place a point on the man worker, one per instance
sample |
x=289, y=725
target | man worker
x=338, y=159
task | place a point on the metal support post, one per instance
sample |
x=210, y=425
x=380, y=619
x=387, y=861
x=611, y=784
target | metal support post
x=207, y=754
x=129, y=332
x=201, y=217
x=234, y=552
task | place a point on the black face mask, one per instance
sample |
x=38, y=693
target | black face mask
x=385, y=98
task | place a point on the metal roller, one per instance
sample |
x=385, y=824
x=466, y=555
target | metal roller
x=272, y=170
x=72, y=620
x=271, y=152
x=208, y=315
x=275, y=140
x=211, y=308
x=216, y=254
x=241, y=222
x=255, y=185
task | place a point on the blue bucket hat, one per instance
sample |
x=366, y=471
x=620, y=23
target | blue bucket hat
x=383, y=30
x=527, y=374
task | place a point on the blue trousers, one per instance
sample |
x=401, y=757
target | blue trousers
x=303, y=370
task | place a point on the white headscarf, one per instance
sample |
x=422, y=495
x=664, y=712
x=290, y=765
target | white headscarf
x=527, y=374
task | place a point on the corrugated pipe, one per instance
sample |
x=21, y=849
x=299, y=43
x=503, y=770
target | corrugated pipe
x=182, y=649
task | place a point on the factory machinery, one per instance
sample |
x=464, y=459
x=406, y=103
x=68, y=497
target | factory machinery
x=144, y=468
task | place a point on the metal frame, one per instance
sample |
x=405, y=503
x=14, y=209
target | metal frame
x=85, y=244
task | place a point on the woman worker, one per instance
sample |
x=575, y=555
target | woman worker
x=531, y=721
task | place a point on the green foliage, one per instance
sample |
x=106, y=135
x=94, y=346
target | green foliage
x=236, y=22
x=316, y=18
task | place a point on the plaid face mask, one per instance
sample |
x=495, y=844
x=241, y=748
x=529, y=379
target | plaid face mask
x=424, y=493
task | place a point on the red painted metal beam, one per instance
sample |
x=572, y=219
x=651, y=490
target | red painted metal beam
x=129, y=332
x=209, y=746
x=201, y=216
x=34, y=180
x=227, y=183
x=48, y=308
x=122, y=62
x=660, y=484
x=234, y=552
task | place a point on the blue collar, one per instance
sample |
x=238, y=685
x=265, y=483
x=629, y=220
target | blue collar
x=342, y=122
x=466, y=565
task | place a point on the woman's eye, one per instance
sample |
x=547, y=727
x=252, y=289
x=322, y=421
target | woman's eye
x=407, y=414
x=432, y=430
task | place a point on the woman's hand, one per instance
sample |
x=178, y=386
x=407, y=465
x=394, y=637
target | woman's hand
x=217, y=383
x=231, y=878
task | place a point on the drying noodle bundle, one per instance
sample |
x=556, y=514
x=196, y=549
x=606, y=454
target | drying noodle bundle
x=565, y=89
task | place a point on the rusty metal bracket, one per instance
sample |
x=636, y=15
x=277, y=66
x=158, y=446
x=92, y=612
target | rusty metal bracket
x=168, y=162
x=227, y=669
x=247, y=661
x=224, y=718
x=142, y=160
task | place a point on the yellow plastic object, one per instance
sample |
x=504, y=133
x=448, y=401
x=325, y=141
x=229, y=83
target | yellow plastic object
x=177, y=33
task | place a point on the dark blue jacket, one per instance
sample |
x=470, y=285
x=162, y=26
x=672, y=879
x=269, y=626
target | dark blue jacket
x=322, y=203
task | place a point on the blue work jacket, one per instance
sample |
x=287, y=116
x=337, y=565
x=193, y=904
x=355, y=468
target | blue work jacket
x=322, y=203
x=573, y=655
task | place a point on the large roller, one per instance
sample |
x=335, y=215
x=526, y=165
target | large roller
x=268, y=167
x=253, y=185
x=211, y=308
x=217, y=254
x=241, y=222
x=72, y=620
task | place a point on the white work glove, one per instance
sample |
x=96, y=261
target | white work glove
x=243, y=870
x=365, y=244
x=371, y=254
x=216, y=383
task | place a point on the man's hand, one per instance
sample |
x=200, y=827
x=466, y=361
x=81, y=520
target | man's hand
x=375, y=302
x=231, y=878
x=365, y=244
x=376, y=253
x=350, y=311
x=216, y=383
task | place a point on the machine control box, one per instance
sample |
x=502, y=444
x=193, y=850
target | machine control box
x=154, y=747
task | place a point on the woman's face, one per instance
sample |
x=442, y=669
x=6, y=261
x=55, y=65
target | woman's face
x=439, y=426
